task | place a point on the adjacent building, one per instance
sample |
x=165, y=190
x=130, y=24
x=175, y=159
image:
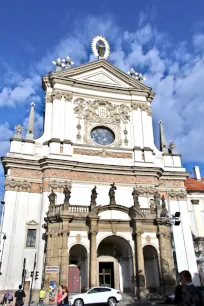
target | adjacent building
x=195, y=201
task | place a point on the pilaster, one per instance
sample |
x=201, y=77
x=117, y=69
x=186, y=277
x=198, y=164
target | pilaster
x=142, y=292
x=93, y=261
x=166, y=261
x=197, y=216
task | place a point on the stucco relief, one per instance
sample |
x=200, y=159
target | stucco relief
x=171, y=183
x=48, y=97
x=19, y=172
x=103, y=153
x=98, y=176
x=58, y=94
x=142, y=106
x=58, y=185
x=17, y=185
x=101, y=111
x=104, y=113
x=178, y=195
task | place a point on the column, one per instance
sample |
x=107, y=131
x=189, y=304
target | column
x=166, y=262
x=93, y=261
x=142, y=292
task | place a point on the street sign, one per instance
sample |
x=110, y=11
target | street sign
x=52, y=269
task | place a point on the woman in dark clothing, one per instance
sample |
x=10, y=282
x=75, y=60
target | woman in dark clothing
x=178, y=292
x=65, y=296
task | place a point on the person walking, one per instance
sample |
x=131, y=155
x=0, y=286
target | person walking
x=42, y=296
x=10, y=298
x=20, y=295
x=65, y=296
x=59, y=295
x=187, y=294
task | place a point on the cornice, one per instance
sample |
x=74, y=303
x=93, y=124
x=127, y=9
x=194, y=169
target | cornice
x=10, y=162
x=46, y=163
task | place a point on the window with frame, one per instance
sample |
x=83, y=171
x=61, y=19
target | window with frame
x=31, y=238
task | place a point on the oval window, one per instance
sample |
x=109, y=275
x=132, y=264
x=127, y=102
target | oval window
x=102, y=135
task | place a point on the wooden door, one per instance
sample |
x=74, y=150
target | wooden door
x=74, y=279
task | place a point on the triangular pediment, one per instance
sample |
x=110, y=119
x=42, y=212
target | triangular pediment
x=103, y=77
x=101, y=73
x=32, y=222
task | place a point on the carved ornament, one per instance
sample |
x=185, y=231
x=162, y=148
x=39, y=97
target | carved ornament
x=178, y=195
x=19, y=172
x=48, y=97
x=77, y=175
x=59, y=94
x=101, y=111
x=59, y=186
x=143, y=106
x=103, y=153
x=12, y=184
x=171, y=183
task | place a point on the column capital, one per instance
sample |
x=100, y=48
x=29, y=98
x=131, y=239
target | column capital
x=93, y=232
x=138, y=233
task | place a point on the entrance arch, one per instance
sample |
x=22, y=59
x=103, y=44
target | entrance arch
x=151, y=264
x=115, y=264
x=78, y=269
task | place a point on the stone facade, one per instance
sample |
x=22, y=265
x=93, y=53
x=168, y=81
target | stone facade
x=102, y=235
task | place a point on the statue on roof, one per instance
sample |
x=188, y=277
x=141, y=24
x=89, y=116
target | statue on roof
x=100, y=47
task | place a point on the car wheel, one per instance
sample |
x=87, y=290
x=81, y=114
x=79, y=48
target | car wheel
x=112, y=301
x=78, y=302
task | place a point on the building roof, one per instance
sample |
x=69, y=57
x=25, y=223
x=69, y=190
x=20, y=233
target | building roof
x=192, y=184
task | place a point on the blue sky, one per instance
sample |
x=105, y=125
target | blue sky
x=162, y=39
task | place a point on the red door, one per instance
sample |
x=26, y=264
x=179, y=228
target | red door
x=74, y=279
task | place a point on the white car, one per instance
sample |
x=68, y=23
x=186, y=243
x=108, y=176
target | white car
x=96, y=295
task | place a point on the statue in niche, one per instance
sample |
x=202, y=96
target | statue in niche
x=52, y=198
x=164, y=210
x=135, y=195
x=112, y=193
x=94, y=195
x=67, y=194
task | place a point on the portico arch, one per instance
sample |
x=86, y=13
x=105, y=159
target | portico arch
x=151, y=263
x=115, y=263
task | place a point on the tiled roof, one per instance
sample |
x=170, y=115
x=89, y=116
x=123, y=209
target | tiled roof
x=192, y=184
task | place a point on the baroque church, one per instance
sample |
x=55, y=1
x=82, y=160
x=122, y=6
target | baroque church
x=93, y=201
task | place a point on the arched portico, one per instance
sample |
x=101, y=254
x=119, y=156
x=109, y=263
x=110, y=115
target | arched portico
x=115, y=263
x=78, y=269
x=151, y=264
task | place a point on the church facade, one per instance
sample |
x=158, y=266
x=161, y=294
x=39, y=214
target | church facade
x=90, y=196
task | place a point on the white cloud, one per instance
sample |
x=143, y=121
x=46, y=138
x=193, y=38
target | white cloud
x=19, y=91
x=198, y=41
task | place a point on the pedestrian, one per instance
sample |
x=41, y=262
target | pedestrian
x=42, y=296
x=20, y=295
x=187, y=294
x=5, y=297
x=10, y=298
x=59, y=295
x=65, y=296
